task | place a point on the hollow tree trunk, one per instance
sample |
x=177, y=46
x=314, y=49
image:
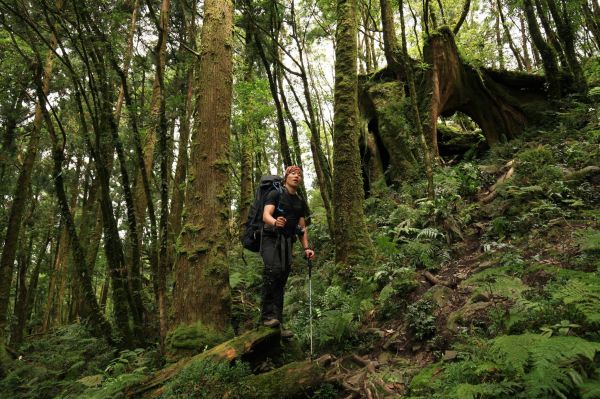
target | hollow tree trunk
x=501, y=103
x=492, y=99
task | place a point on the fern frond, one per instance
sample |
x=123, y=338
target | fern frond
x=584, y=295
x=513, y=350
x=591, y=388
x=430, y=232
x=485, y=390
x=550, y=365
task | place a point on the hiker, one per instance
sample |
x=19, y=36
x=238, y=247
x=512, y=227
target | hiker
x=284, y=218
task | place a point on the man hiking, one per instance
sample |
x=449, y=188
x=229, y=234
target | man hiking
x=284, y=217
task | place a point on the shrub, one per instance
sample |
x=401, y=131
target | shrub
x=420, y=319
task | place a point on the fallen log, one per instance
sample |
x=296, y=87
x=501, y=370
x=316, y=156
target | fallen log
x=231, y=350
x=293, y=380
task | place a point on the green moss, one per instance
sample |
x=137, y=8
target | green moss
x=208, y=379
x=286, y=384
x=191, y=228
x=113, y=388
x=191, y=339
x=394, y=125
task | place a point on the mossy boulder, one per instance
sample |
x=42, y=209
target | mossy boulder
x=440, y=294
x=470, y=314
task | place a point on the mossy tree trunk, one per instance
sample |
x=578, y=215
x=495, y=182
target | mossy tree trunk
x=566, y=35
x=164, y=159
x=544, y=18
x=23, y=262
x=253, y=342
x=296, y=153
x=189, y=32
x=320, y=160
x=390, y=43
x=352, y=242
x=415, y=109
x=202, y=292
x=23, y=310
x=547, y=53
x=284, y=147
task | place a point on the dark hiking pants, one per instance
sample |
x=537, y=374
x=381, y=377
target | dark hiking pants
x=276, y=251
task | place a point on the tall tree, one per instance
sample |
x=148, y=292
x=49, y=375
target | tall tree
x=390, y=43
x=414, y=106
x=99, y=325
x=547, y=52
x=21, y=196
x=563, y=20
x=202, y=291
x=352, y=242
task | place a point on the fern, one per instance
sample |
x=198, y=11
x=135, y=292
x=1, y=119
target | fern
x=591, y=388
x=589, y=241
x=486, y=390
x=584, y=295
x=549, y=366
x=430, y=233
x=498, y=281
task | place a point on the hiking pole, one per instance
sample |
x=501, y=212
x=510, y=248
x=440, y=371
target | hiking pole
x=310, y=304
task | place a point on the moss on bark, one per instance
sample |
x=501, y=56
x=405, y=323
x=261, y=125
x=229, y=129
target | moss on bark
x=352, y=243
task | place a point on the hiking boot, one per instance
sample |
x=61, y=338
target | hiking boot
x=287, y=334
x=271, y=323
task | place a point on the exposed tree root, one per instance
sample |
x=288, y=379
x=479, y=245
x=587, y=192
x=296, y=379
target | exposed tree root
x=508, y=171
x=438, y=281
x=585, y=173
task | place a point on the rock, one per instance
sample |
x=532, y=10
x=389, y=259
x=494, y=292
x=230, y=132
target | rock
x=468, y=314
x=449, y=355
x=440, y=294
x=384, y=357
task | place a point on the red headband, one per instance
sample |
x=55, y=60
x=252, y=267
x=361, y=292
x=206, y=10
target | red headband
x=291, y=169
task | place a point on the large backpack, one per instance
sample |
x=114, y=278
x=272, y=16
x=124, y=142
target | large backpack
x=254, y=225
